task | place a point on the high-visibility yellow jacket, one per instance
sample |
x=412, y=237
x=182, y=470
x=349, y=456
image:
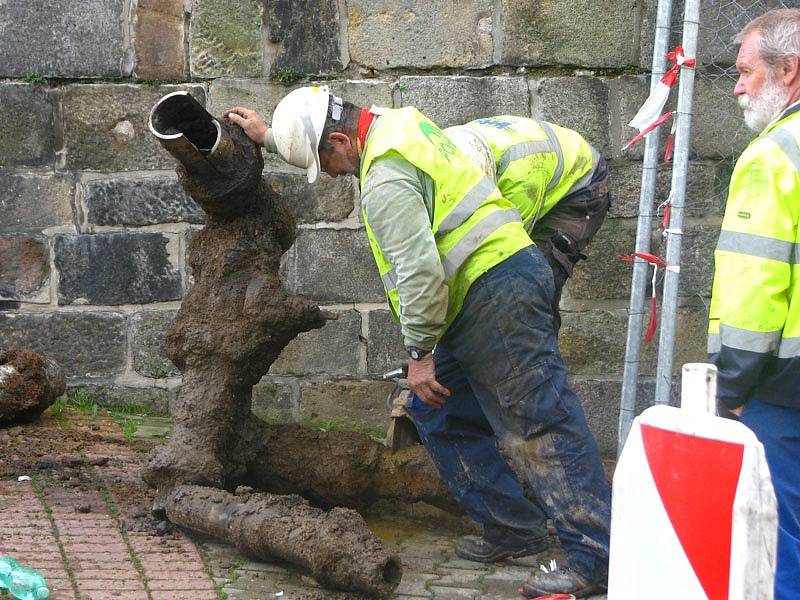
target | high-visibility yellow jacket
x=537, y=163
x=754, y=325
x=473, y=226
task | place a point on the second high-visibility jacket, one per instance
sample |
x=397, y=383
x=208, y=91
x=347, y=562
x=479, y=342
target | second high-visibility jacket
x=536, y=163
x=754, y=324
x=473, y=227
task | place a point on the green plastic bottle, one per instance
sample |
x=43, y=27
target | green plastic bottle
x=23, y=582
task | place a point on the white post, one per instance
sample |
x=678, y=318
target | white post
x=699, y=388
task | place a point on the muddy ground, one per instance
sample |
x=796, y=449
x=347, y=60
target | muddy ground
x=59, y=449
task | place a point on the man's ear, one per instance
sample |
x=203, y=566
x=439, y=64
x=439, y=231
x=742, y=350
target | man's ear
x=789, y=69
x=337, y=138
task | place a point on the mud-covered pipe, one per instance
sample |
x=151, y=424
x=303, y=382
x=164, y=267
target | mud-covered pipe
x=335, y=546
x=217, y=162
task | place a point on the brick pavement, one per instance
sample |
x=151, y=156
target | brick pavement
x=76, y=539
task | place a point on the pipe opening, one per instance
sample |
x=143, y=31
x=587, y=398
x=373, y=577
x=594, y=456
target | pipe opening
x=180, y=114
x=392, y=572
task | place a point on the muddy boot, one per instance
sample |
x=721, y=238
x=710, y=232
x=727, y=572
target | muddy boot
x=562, y=581
x=479, y=549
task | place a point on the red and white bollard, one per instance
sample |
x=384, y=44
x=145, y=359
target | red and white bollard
x=694, y=514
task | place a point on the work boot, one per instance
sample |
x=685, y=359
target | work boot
x=479, y=549
x=562, y=581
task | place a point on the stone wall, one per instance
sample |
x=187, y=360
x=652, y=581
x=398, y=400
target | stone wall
x=94, y=228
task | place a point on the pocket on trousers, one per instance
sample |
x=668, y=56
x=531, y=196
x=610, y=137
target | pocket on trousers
x=531, y=401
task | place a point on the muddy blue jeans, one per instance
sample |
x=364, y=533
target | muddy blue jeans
x=509, y=390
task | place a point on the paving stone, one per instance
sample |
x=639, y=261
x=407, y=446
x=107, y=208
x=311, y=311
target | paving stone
x=138, y=201
x=114, y=117
x=25, y=268
x=226, y=38
x=455, y=100
x=346, y=405
x=579, y=103
x=385, y=348
x=548, y=32
x=85, y=344
x=416, y=584
x=328, y=199
x=306, y=41
x=83, y=38
x=273, y=402
x=27, y=121
x=454, y=593
x=30, y=200
x=160, y=39
x=705, y=188
x=116, y=268
x=148, y=329
x=332, y=350
x=421, y=35
x=333, y=265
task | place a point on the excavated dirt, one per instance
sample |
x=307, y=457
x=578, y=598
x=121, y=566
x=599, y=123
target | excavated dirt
x=62, y=452
x=29, y=383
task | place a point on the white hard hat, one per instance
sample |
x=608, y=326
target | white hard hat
x=473, y=144
x=297, y=125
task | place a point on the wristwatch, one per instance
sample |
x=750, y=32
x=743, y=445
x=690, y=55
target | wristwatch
x=417, y=353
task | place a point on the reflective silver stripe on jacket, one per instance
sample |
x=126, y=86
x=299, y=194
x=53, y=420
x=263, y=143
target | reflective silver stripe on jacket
x=756, y=245
x=466, y=206
x=763, y=342
x=523, y=149
x=788, y=144
x=389, y=280
x=790, y=348
x=475, y=237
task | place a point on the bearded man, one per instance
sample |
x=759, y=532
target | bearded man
x=754, y=321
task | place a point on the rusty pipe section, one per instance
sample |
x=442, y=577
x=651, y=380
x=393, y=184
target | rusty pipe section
x=217, y=160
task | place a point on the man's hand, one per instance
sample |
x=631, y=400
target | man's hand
x=422, y=379
x=251, y=122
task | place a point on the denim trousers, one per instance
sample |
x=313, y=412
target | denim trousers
x=778, y=428
x=510, y=403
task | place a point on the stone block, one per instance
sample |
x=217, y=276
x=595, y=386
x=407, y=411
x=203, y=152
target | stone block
x=385, y=348
x=600, y=399
x=334, y=265
x=441, y=33
x=155, y=400
x=263, y=96
x=148, y=329
x=603, y=275
x=86, y=344
x=27, y=123
x=31, y=200
x=697, y=258
x=305, y=41
x=105, y=126
x=25, y=268
x=226, y=38
x=138, y=201
x=346, y=405
x=328, y=199
x=705, y=187
x=582, y=336
x=551, y=32
x=116, y=268
x=79, y=38
x=335, y=349
x=626, y=95
x=273, y=402
x=455, y=100
x=718, y=128
x=579, y=103
x=160, y=40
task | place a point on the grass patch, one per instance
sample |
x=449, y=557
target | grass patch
x=33, y=76
x=287, y=76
